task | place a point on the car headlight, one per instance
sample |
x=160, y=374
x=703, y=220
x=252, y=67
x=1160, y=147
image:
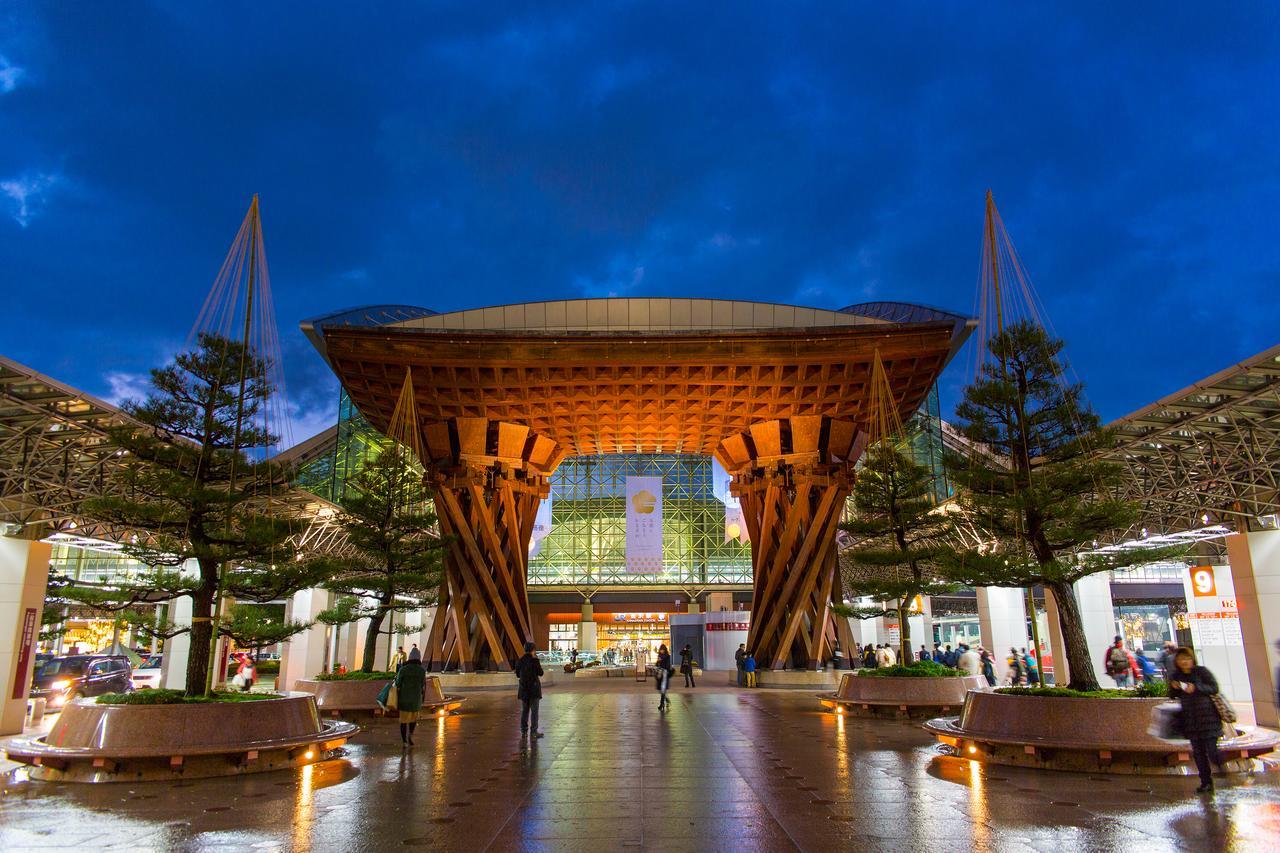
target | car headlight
x=60, y=684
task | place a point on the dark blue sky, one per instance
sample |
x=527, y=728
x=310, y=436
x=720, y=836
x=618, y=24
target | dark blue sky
x=460, y=156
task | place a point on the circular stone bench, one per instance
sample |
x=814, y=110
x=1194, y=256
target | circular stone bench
x=467, y=681
x=127, y=743
x=359, y=697
x=607, y=672
x=901, y=697
x=1107, y=735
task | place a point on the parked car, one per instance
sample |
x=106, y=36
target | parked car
x=147, y=673
x=63, y=679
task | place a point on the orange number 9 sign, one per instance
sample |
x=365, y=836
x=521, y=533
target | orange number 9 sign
x=1202, y=583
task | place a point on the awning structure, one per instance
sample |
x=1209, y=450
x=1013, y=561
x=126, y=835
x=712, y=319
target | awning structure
x=1208, y=454
x=56, y=452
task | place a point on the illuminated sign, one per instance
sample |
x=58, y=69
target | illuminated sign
x=1202, y=582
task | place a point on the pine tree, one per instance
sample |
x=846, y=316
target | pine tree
x=195, y=487
x=389, y=521
x=900, y=538
x=1034, y=483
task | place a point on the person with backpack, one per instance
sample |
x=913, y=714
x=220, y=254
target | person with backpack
x=1118, y=664
x=1017, y=668
x=1146, y=666
x=1033, y=671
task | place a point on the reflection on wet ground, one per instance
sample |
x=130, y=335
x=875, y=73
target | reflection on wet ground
x=723, y=769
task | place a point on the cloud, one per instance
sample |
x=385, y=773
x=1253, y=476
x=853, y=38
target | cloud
x=126, y=386
x=10, y=74
x=28, y=194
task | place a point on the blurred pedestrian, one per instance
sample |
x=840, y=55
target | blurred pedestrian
x=686, y=665
x=1146, y=667
x=1033, y=670
x=868, y=657
x=988, y=668
x=529, y=671
x=837, y=656
x=969, y=662
x=411, y=687
x=923, y=655
x=399, y=658
x=663, y=676
x=1118, y=663
x=1199, y=721
x=937, y=653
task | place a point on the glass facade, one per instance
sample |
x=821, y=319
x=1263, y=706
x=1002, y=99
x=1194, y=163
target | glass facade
x=587, y=542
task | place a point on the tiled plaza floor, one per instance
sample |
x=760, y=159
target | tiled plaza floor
x=722, y=770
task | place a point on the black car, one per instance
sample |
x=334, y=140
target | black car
x=62, y=679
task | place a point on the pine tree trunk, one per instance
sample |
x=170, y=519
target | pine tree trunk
x=904, y=634
x=1069, y=620
x=371, y=637
x=201, y=630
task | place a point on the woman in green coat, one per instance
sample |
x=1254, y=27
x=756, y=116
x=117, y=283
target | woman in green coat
x=411, y=686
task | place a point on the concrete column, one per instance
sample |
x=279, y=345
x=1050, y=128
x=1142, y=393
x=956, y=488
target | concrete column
x=305, y=654
x=24, y=578
x=718, y=601
x=1099, y=617
x=351, y=644
x=173, y=667
x=588, y=636
x=1255, y=570
x=1002, y=623
x=926, y=624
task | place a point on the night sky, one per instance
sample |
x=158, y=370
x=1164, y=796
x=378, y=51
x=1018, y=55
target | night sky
x=466, y=155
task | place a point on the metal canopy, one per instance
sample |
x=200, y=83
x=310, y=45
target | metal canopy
x=1208, y=454
x=56, y=452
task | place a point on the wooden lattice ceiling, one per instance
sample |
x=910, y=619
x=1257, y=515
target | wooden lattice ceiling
x=619, y=391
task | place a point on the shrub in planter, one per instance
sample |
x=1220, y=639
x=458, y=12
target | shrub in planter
x=1145, y=690
x=356, y=675
x=156, y=696
x=920, y=669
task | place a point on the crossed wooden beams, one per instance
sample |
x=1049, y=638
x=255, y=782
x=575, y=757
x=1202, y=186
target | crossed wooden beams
x=792, y=477
x=488, y=478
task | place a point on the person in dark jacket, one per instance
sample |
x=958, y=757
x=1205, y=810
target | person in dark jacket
x=529, y=671
x=663, y=676
x=1194, y=687
x=988, y=668
x=923, y=654
x=739, y=656
x=868, y=657
x=686, y=665
x=411, y=688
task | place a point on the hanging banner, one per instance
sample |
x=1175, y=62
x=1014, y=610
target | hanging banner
x=644, y=525
x=735, y=527
x=541, y=526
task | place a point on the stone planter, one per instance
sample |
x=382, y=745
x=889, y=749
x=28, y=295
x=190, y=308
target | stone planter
x=804, y=678
x=109, y=743
x=466, y=681
x=358, y=698
x=1107, y=735
x=900, y=697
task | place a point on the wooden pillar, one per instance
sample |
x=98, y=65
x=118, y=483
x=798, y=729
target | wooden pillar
x=488, y=479
x=792, y=477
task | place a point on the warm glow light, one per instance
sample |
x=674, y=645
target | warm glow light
x=972, y=750
x=311, y=753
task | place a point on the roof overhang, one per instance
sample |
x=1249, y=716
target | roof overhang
x=653, y=389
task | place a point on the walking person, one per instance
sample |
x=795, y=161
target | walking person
x=739, y=656
x=399, y=658
x=1167, y=654
x=663, y=676
x=529, y=671
x=686, y=665
x=1017, y=668
x=411, y=687
x=246, y=673
x=988, y=668
x=1199, y=721
x=1033, y=671
x=923, y=654
x=1118, y=663
x=868, y=657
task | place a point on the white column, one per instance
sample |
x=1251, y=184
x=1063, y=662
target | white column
x=1099, y=617
x=173, y=667
x=588, y=637
x=1002, y=623
x=425, y=619
x=1255, y=570
x=351, y=644
x=24, y=579
x=305, y=653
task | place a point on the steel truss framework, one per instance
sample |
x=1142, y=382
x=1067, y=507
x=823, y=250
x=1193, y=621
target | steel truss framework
x=56, y=452
x=1208, y=454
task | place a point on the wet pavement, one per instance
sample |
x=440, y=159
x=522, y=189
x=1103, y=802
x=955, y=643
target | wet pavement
x=722, y=770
